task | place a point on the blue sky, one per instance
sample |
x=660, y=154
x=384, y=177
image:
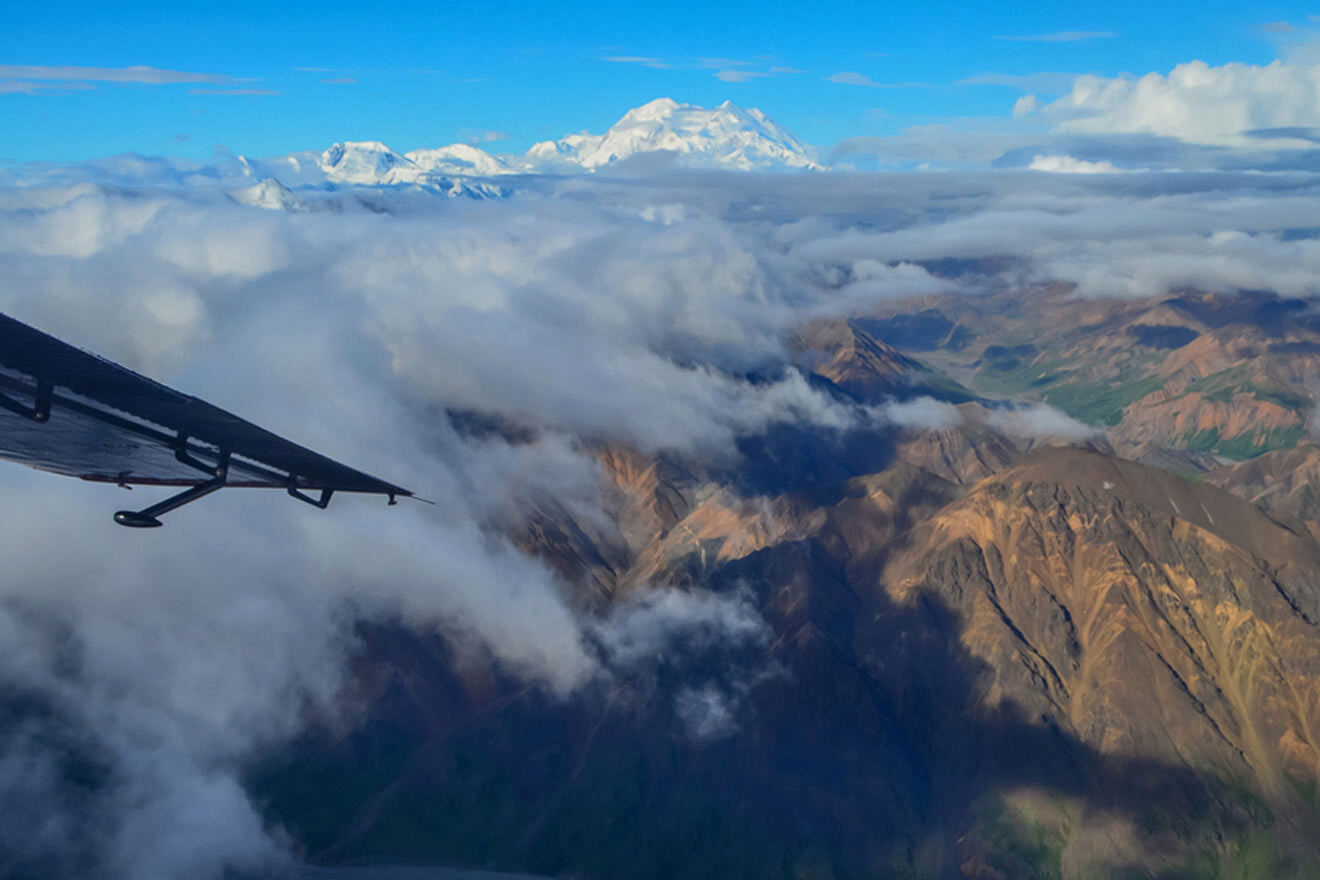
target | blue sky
x=271, y=78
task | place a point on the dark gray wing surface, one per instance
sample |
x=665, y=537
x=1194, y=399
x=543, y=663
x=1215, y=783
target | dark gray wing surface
x=75, y=413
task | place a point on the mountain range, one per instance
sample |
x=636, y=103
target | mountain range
x=726, y=137
x=1004, y=641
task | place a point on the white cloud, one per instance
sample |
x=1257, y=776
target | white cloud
x=705, y=712
x=849, y=78
x=739, y=76
x=1195, y=102
x=1040, y=422
x=135, y=74
x=1025, y=106
x=564, y=308
x=30, y=87
x=1071, y=165
x=921, y=412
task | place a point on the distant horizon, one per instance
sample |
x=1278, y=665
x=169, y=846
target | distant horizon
x=155, y=81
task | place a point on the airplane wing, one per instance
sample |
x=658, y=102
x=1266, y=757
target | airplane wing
x=74, y=413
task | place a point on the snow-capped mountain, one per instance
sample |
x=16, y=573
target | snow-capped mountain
x=725, y=137
x=269, y=194
x=371, y=163
x=460, y=159
x=367, y=162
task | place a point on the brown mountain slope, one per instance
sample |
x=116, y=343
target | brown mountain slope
x=1143, y=613
x=1228, y=373
x=1079, y=667
x=1285, y=482
x=853, y=359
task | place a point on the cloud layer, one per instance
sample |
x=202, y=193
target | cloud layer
x=649, y=312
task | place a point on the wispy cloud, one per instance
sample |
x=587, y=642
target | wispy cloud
x=313, y=69
x=136, y=74
x=233, y=92
x=1048, y=82
x=339, y=81
x=849, y=78
x=739, y=76
x=1059, y=37
x=1025, y=106
x=1276, y=27
x=786, y=69
x=709, y=63
x=643, y=60
x=28, y=87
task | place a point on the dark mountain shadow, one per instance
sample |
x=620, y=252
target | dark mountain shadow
x=789, y=457
x=1273, y=314
x=855, y=745
x=1162, y=336
x=924, y=330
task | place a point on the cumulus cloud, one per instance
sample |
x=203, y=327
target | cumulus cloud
x=170, y=661
x=651, y=313
x=1040, y=422
x=1071, y=165
x=1194, y=102
x=921, y=412
x=722, y=639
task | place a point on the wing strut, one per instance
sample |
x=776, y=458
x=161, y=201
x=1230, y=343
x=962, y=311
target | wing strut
x=147, y=517
x=40, y=409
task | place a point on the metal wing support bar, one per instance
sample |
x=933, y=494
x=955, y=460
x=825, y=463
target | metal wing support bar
x=147, y=518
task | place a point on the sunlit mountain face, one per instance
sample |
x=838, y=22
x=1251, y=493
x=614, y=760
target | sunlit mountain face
x=788, y=520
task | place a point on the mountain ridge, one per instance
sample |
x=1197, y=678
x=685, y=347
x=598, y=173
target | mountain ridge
x=726, y=137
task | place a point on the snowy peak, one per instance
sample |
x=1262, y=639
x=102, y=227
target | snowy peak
x=371, y=163
x=268, y=194
x=363, y=162
x=462, y=159
x=654, y=111
x=725, y=137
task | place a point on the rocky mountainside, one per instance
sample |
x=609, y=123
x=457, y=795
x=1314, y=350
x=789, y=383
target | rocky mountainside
x=1181, y=378
x=1077, y=666
x=994, y=645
